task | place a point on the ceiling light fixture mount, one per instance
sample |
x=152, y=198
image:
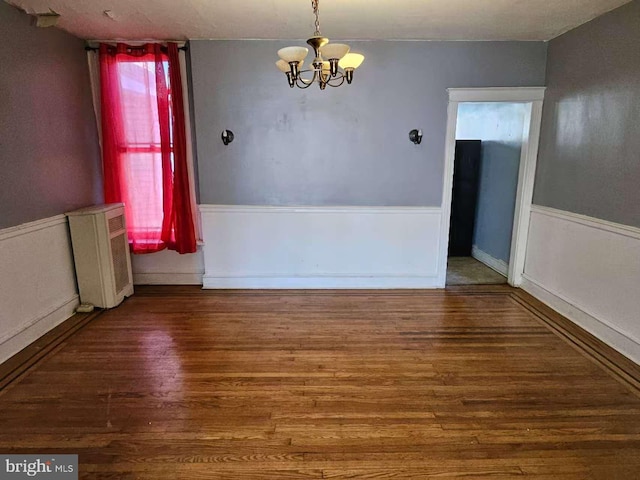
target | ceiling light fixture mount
x=339, y=65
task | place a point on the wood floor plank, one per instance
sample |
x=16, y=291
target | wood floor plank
x=180, y=383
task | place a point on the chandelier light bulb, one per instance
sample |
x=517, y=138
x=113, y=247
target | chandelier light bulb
x=293, y=54
x=351, y=60
x=283, y=66
x=334, y=50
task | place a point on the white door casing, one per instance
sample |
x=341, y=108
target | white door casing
x=533, y=97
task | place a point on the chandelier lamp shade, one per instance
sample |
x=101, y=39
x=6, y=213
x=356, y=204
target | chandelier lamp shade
x=332, y=65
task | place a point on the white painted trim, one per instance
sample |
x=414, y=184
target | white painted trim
x=526, y=176
x=30, y=227
x=38, y=284
x=447, y=192
x=584, y=268
x=36, y=329
x=497, y=94
x=617, y=228
x=494, y=263
x=169, y=278
x=524, y=193
x=16, y=340
x=322, y=282
x=622, y=341
x=66, y=306
x=320, y=247
x=189, y=143
x=311, y=209
x=168, y=268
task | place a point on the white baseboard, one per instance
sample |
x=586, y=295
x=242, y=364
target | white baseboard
x=587, y=269
x=37, y=282
x=13, y=342
x=495, y=264
x=168, y=268
x=171, y=278
x=320, y=247
x=609, y=334
x=320, y=282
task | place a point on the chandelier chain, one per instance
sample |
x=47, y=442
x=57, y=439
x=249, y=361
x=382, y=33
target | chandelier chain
x=316, y=12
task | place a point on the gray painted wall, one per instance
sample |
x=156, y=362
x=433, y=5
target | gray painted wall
x=500, y=127
x=589, y=159
x=344, y=146
x=49, y=151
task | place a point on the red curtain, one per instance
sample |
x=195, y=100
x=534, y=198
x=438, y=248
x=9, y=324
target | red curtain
x=144, y=145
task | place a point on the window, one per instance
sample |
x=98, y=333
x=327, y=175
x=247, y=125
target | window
x=144, y=145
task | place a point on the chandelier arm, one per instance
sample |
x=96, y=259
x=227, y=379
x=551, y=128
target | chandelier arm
x=304, y=86
x=311, y=80
x=341, y=78
x=305, y=83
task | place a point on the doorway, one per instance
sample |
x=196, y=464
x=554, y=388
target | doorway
x=463, y=266
x=487, y=197
x=489, y=139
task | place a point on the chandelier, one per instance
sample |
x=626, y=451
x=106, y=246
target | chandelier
x=332, y=65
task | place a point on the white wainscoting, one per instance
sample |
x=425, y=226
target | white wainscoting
x=320, y=247
x=588, y=270
x=37, y=282
x=168, y=268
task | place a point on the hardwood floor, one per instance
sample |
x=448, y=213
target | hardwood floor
x=179, y=383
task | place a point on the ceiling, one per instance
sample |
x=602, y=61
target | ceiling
x=340, y=19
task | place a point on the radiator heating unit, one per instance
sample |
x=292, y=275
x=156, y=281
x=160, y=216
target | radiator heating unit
x=101, y=254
